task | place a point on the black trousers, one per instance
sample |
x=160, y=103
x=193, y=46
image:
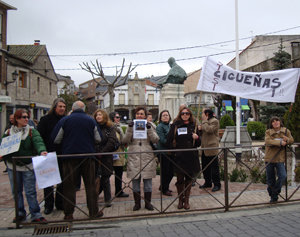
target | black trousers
x=49, y=194
x=167, y=172
x=105, y=187
x=211, y=173
x=118, y=179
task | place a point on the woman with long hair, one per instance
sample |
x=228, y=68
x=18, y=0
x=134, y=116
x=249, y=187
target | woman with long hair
x=141, y=166
x=165, y=164
x=31, y=145
x=183, y=135
x=109, y=143
x=118, y=160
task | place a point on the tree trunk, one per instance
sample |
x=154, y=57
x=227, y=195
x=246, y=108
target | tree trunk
x=111, y=99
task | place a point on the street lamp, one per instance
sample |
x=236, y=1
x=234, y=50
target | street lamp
x=15, y=75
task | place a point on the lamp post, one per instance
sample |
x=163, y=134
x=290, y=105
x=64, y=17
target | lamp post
x=15, y=75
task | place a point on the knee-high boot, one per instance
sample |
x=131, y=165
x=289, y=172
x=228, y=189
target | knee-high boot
x=148, y=204
x=180, y=188
x=187, y=196
x=137, y=201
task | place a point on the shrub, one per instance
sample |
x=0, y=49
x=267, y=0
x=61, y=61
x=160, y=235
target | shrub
x=297, y=174
x=255, y=175
x=226, y=120
x=238, y=175
x=258, y=128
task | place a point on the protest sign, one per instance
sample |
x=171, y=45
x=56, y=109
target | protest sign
x=139, y=129
x=10, y=144
x=272, y=86
x=46, y=170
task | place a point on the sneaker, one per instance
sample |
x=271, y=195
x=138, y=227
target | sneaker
x=20, y=219
x=40, y=220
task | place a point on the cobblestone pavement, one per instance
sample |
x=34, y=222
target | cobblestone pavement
x=281, y=220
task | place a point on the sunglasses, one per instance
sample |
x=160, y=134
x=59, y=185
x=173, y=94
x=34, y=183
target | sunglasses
x=25, y=117
x=117, y=117
x=185, y=113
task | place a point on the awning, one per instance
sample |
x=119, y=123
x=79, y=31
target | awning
x=245, y=107
x=229, y=108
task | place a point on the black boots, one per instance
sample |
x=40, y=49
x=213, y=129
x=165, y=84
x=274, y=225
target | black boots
x=137, y=201
x=147, y=198
x=180, y=188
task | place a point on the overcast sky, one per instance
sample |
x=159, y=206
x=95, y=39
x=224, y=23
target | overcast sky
x=77, y=31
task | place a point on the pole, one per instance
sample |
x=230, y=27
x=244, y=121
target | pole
x=238, y=150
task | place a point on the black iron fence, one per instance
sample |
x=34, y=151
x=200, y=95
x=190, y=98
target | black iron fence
x=230, y=197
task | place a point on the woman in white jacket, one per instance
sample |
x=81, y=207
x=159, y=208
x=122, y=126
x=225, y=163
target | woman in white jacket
x=141, y=166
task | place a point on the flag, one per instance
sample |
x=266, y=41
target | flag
x=274, y=86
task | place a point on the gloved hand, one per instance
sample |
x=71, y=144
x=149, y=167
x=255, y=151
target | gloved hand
x=130, y=124
x=148, y=125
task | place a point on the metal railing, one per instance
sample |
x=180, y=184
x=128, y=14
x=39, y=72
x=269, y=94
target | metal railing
x=230, y=198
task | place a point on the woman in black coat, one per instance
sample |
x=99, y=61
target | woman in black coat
x=182, y=135
x=109, y=143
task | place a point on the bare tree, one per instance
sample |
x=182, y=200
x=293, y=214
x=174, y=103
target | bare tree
x=96, y=71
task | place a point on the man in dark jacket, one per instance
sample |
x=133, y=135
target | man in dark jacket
x=78, y=134
x=45, y=127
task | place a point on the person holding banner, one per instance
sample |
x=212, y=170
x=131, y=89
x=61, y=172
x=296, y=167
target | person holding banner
x=209, y=159
x=141, y=166
x=31, y=144
x=45, y=127
x=277, y=138
x=183, y=135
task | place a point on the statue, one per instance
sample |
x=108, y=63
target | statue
x=176, y=75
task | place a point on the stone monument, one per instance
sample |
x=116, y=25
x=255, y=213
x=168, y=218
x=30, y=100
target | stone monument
x=172, y=93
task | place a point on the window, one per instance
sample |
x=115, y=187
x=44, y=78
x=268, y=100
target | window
x=50, y=88
x=22, y=79
x=136, y=99
x=150, y=99
x=121, y=99
x=38, y=85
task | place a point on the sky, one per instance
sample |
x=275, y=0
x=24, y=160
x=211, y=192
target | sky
x=144, y=33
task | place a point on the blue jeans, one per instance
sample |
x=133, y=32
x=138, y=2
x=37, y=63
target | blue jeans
x=147, y=185
x=274, y=186
x=26, y=179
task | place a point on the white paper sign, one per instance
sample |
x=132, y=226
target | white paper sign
x=182, y=131
x=139, y=129
x=274, y=86
x=46, y=170
x=10, y=144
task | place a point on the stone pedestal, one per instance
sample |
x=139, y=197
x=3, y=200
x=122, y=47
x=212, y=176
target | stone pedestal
x=229, y=140
x=171, y=97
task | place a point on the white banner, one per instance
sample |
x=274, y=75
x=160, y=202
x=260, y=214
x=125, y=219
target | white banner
x=10, y=144
x=46, y=170
x=274, y=86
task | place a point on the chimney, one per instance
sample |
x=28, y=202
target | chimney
x=37, y=42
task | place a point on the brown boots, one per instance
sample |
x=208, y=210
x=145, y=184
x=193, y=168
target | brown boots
x=137, y=201
x=187, y=197
x=184, y=196
x=180, y=188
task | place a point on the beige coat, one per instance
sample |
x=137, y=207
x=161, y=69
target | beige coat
x=137, y=162
x=120, y=135
x=210, y=136
x=273, y=141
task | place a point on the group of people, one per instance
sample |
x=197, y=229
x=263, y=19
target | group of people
x=79, y=136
